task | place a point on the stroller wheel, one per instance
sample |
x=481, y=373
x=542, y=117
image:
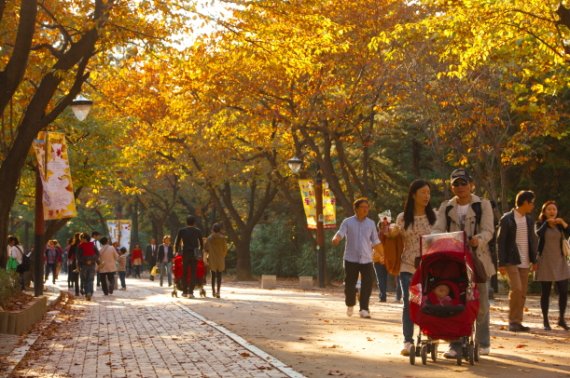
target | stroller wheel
x=434, y=352
x=413, y=355
x=471, y=353
x=424, y=353
x=476, y=352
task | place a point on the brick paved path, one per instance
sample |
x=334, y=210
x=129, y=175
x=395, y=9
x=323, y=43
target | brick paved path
x=143, y=332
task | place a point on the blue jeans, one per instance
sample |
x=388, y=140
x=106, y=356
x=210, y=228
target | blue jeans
x=87, y=277
x=166, y=268
x=381, y=280
x=122, y=278
x=407, y=324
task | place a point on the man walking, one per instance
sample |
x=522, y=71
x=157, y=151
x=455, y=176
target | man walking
x=189, y=243
x=468, y=212
x=150, y=255
x=361, y=239
x=517, y=246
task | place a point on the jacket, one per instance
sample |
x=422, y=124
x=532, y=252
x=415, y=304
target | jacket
x=169, y=253
x=217, y=249
x=484, y=231
x=109, y=258
x=506, y=240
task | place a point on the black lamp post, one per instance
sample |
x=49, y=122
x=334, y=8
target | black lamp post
x=295, y=165
x=81, y=107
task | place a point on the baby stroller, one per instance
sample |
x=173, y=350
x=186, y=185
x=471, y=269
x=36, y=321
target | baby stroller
x=445, y=259
x=178, y=271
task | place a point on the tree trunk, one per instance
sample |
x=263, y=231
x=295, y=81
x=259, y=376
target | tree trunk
x=243, y=268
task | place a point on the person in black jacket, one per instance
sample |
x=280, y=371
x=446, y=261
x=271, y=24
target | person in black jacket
x=165, y=256
x=189, y=243
x=517, y=246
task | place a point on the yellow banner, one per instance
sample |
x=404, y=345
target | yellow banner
x=307, y=188
x=58, y=197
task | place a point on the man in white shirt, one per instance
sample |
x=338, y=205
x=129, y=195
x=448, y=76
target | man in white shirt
x=517, y=246
x=361, y=239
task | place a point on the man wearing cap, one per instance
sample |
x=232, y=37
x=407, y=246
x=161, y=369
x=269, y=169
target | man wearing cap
x=458, y=214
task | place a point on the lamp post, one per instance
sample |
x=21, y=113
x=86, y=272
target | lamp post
x=295, y=165
x=81, y=107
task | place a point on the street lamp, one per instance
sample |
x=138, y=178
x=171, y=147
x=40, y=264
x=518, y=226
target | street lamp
x=295, y=165
x=81, y=108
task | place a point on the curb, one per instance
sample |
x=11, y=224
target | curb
x=24, y=345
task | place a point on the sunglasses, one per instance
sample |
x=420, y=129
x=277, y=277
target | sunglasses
x=459, y=183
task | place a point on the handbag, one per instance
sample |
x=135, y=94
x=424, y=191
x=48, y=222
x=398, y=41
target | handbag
x=565, y=247
x=12, y=264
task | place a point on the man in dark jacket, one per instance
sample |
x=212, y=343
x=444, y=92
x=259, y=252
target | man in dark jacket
x=517, y=245
x=189, y=243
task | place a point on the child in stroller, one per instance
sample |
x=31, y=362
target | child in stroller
x=443, y=296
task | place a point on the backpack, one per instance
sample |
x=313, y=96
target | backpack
x=26, y=262
x=479, y=269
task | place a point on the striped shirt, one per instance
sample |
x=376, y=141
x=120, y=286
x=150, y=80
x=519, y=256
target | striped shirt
x=522, y=239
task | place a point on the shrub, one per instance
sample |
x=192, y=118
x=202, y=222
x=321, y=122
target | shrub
x=9, y=286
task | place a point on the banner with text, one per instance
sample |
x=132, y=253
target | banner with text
x=307, y=188
x=51, y=154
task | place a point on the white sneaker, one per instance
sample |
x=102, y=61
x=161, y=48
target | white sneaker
x=484, y=351
x=349, y=310
x=365, y=314
x=406, y=349
x=451, y=353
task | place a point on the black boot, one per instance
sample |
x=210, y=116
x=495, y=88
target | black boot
x=546, y=324
x=562, y=323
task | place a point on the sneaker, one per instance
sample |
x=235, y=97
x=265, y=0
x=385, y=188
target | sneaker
x=484, y=351
x=406, y=349
x=191, y=296
x=349, y=310
x=365, y=314
x=451, y=353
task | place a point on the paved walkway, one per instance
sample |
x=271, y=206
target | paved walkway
x=142, y=332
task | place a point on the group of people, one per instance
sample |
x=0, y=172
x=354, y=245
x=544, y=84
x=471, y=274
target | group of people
x=523, y=245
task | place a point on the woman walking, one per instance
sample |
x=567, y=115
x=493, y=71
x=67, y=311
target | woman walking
x=217, y=248
x=137, y=260
x=108, y=258
x=73, y=266
x=416, y=220
x=552, y=266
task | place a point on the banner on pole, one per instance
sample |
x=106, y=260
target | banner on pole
x=307, y=188
x=120, y=231
x=53, y=164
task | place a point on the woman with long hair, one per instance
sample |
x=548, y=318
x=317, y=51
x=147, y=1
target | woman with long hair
x=552, y=266
x=416, y=220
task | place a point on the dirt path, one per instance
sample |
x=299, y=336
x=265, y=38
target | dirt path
x=310, y=331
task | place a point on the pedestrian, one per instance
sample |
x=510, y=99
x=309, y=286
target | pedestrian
x=122, y=268
x=59, y=258
x=387, y=262
x=361, y=239
x=416, y=220
x=73, y=266
x=467, y=212
x=51, y=260
x=517, y=246
x=137, y=260
x=189, y=243
x=150, y=256
x=16, y=254
x=165, y=257
x=551, y=262
x=87, y=257
x=95, y=236
x=108, y=258
x=216, y=247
